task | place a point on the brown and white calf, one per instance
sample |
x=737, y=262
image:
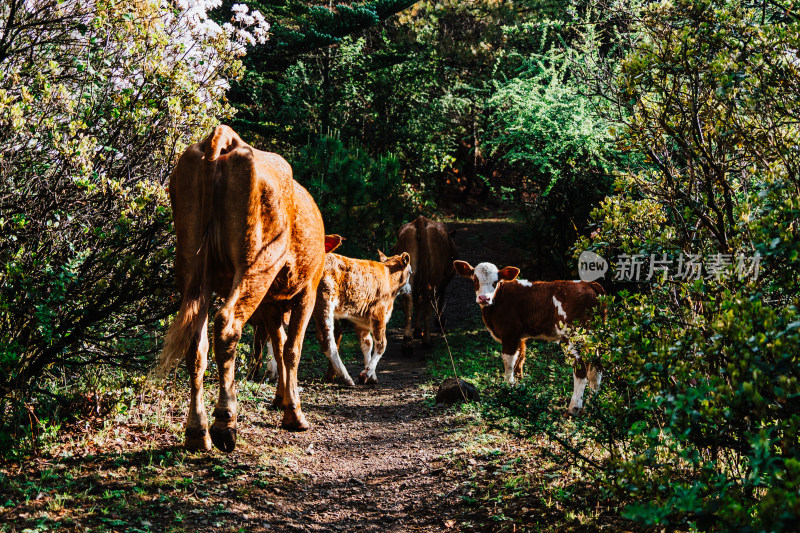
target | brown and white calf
x=362, y=292
x=516, y=310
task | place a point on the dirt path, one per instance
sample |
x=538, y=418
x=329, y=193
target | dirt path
x=378, y=458
x=378, y=452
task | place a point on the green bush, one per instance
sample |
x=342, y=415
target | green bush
x=96, y=100
x=361, y=197
x=699, y=415
x=555, y=143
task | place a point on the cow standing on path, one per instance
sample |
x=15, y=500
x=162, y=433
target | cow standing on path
x=516, y=310
x=432, y=251
x=362, y=292
x=247, y=231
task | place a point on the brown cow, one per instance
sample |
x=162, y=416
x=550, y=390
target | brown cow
x=363, y=293
x=247, y=231
x=432, y=253
x=516, y=310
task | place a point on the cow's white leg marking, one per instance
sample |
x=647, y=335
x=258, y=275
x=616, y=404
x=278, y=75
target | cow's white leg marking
x=373, y=365
x=333, y=353
x=579, y=385
x=379, y=336
x=509, y=362
x=366, y=348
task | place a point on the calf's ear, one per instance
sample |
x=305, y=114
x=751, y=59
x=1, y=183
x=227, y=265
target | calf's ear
x=382, y=257
x=405, y=258
x=508, y=273
x=463, y=269
x=332, y=242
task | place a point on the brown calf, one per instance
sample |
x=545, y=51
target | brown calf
x=247, y=231
x=515, y=311
x=362, y=292
x=432, y=253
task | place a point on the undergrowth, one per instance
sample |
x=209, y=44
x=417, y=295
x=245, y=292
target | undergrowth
x=526, y=461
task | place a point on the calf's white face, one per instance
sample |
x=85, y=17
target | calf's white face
x=486, y=277
x=486, y=280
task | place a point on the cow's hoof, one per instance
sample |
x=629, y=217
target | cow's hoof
x=277, y=402
x=224, y=438
x=372, y=380
x=362, y=377
x=197, y=440
x=349, y=382
x=295, y=422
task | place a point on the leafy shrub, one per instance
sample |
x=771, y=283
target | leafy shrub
x=699, y=417
x=556, y=144
x=96, y=99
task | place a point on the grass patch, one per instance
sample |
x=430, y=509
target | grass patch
x=514, y=446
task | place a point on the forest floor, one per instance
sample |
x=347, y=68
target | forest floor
x=378, y=458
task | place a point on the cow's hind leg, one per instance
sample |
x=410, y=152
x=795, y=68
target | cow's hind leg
x=328, y=334
x=418, y=317
x=260, y=340
x=511, y=358
x=240, y=305
x=427, y=311
x=196, y=434
x=594, y=374
x=274, y=324
x=369, y=374
x=580, y=377
x=578, y=387
x=302, y=308
x=518, y=368
x=366, y=342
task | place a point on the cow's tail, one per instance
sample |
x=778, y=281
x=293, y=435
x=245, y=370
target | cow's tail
x=186, y=331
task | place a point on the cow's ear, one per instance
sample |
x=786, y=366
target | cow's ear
x=508, y=273
x=382, y=257
x=463, y=269
x=405, y=258
x=332, y=242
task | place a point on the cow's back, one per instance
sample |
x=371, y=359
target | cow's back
x=441, y=252
x=354, y=285
x=432, y=253
x=539, y=309
x=262, y=217
x=407, y=242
